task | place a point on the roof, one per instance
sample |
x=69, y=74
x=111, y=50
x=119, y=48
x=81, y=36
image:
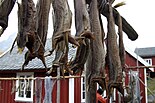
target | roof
x=145, y=52
x=141, y=60
x=15, y=60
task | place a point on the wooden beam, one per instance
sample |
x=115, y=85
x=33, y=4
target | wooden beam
x=140, y=67
x=61, y=77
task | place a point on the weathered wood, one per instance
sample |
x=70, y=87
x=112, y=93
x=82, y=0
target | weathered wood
x=58, y=85
x=96, y=58
x=140, y=67
x=31, y=78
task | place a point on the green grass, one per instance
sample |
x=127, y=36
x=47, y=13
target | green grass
x=151, y=85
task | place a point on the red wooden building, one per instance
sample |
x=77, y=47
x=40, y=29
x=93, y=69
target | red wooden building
x=24, y=90
x=148, y=54
x=71, y=90
x=133, y=60
x=135, y=79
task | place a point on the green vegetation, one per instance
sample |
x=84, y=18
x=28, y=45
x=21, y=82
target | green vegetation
x=151, y=85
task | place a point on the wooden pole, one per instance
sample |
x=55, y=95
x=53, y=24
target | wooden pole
x=146, y=87
x=31, y=78
x=140, y=67
x=58, y=85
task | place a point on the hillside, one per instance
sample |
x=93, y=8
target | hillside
x=1, y=52
x=6, y=44
x=151, y=85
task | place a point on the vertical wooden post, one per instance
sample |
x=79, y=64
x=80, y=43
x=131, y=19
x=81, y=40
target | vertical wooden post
x=58, y=85
x=71, y=90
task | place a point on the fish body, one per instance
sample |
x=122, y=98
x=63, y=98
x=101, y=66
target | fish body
x=114, y=62
x=96, y=57
x=41, y=17
x=26, y=25
x=6, y=7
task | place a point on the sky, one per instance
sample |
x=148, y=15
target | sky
x=139, y=13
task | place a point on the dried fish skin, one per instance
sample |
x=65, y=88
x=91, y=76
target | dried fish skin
x=6, y=7
x=26, y=25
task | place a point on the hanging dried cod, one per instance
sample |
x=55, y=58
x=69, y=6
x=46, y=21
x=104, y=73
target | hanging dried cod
x=127, y=28
x=82, y=22
x=121, y=44
x=82, y=25
x=26, y=25
x=114, y=62
x=42, y=15
x=6, y=7
x=77, y=65
x=96, y=58
x=62, y=20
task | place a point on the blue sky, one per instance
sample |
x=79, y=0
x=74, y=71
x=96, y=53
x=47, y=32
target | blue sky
x=139, y=13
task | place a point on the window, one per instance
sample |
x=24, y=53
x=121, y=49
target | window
x=83, y=91
x=24, y=87
x=148, y=61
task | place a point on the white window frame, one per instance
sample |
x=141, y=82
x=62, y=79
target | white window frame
x=149, y=61
x=83, y=84
x=24, y=99
x=71, y=90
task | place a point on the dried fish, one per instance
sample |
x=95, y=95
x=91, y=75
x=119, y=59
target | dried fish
x=114, y=62
x=61, y=37
x=127, y=28
x=82, y=22
x=96, y=58
x=121, y=44
x=62, y=23
x=77, y=65
x=26, y=25
x=6, y=7
x=42, y=15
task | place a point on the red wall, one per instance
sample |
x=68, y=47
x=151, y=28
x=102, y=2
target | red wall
x=77, y=90
x=130, y=61
x=6, y=89
x=153, y=60
x=5, y=93
x=7, y=97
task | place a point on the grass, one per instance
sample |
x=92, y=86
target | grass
x=151, y=85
